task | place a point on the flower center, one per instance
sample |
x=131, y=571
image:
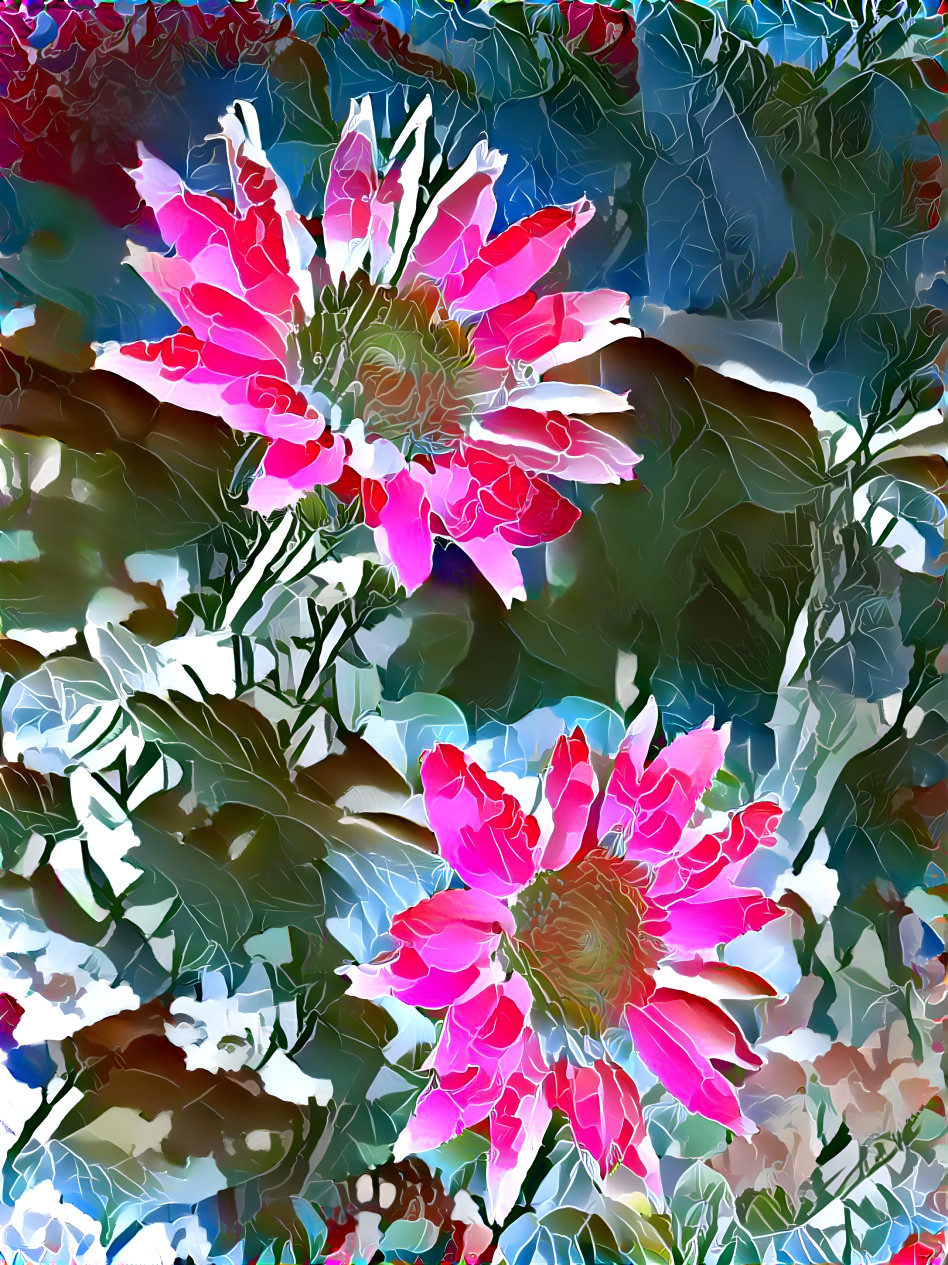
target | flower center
x=396, y=361
x=589, y=936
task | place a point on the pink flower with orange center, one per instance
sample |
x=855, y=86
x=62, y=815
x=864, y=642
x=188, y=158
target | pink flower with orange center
x=597, y=910
x=405, y=364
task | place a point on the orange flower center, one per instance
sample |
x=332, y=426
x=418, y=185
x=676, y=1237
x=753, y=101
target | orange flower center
x=395, y=361
x=590, y=938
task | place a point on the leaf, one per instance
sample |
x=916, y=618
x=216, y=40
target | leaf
x=231, y=749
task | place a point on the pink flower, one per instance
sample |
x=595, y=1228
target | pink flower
x=411, y=375
x=617, y=904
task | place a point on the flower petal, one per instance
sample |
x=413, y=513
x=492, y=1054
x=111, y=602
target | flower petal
x=191, y=373
x=528, y=328
x=603, y=1108
x=922, y=1249
x=704, y=857
x=723, y=913
x=677, y=1035
x=258, y=187
x=445, y=946
x=653, y=808
x=409, y=172
x=552, y=443
x=290, y=470
x=476, y=494
x=406, y=975
x=514, y=261
x=397, y=510
x=456, y=224
x=517, y=1125
x=257, y=256
x=486, y=1029
x=495, y=560
x=455, y=928
x=482, y=831
x=350, y=193
x=448, y=1107
x=570, y=787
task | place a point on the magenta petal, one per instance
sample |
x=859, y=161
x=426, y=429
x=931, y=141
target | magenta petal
x=402, y=525
x=193, y=374
x=605, y=1114
x=486, y=1029
x=350, y=193
x=677, y=1035
x=259, y=255
x=722, y=913
x=489, y=506
x=456, y=227
x=618, y=805
x=708, y=857
x=570, y=788
x=482, y=831
x=454, y=929
x=552, y=443
x=652, y=808
x=495, y=560
x=409, y=978
x=447, y=1108
x=529, y=327
x=517, y=1124
x=513, y=262
x=290, y=470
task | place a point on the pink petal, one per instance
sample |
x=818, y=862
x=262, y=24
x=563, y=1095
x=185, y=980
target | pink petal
x=513, y=262
x=187, y=371
x=476, y=494
x=486, y=1029
x=922, y=1249
x=445, y=946
x=406, y=975
x=445, y=1109
x=454, y=929
x=268, y=212
x=517, y=1125
x=290, y=470
x=350, y=193
x=552, y=443
x=397, y=510
x=723, y=913
x=528, y=327
x=727, y=980
x=570, y=787
x=605, y=1114
x=705, y=857
x=257, y=256
x=618, y=806
x=652, y=809
x=456, y=225
x=677, y=1035
x=482, y=831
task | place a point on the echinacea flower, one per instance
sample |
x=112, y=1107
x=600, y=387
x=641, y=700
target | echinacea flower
x=596, y=911
x=412, y=374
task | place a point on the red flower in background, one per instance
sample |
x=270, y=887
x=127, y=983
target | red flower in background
x=76, y=79
x=605, y=34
